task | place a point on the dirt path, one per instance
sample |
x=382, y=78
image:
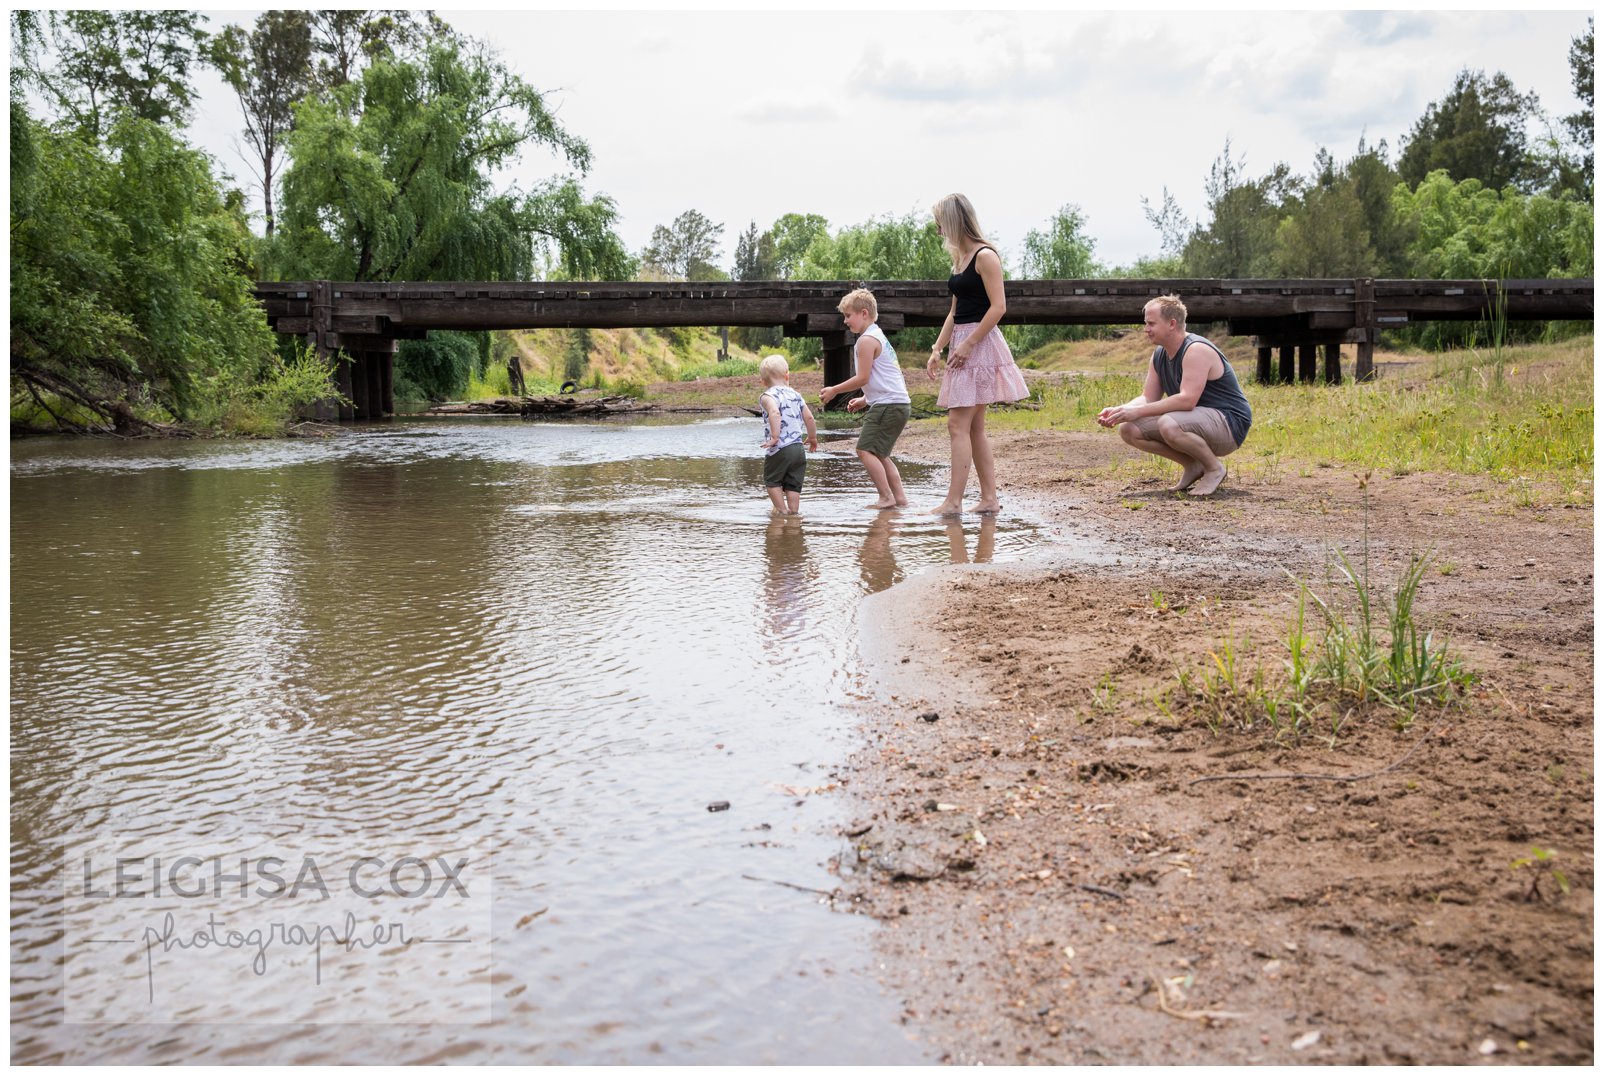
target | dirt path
x=1110, y=909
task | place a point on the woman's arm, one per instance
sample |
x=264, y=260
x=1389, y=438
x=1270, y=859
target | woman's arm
x=941, y=340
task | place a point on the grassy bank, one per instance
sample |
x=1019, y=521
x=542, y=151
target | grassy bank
x=1520, y=415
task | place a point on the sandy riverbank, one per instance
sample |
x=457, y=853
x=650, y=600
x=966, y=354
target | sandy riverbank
x=1110, y=909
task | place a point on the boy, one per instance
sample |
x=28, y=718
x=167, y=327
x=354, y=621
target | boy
x=785, y=413
x=885, y=395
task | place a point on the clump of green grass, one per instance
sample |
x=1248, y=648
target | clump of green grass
x=1369, y=657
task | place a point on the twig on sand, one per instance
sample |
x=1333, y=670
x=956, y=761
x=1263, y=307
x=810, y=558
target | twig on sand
x=1321, y=776
x=1100, y=891
x=790, y=885
x=1191, y=1014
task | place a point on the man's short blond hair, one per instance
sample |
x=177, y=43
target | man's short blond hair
x=773, y=369
x=1170, y=307
x=860, y=299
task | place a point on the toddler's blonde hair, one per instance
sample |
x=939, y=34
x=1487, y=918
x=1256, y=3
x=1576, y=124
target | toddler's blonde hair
x=861, y=299
x=772, y=369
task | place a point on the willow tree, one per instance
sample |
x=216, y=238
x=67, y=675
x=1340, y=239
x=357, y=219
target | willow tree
x=390, y=178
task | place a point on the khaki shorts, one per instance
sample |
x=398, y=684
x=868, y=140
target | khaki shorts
x=786, y=467
x=1207, y=422
x=882, y=425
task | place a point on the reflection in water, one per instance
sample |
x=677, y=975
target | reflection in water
x=985, y=542
x=557, y=641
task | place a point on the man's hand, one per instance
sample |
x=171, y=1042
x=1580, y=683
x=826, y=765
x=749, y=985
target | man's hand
x=857, y=403
x=1112, y=416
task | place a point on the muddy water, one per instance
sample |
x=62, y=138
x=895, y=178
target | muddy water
x=560, y=642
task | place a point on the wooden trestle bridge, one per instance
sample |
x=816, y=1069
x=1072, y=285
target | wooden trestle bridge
x=1292, y=321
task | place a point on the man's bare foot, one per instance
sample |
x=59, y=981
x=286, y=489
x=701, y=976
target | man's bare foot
x=946, y=508
x=882, y=505
x=986, y=508
x=1189, y=474
x=1209, y=482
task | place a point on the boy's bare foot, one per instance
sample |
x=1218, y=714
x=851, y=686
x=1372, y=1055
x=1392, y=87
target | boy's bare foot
x=882, y=505
x=1189, y=474
x=946, y=508
x=903, y=503
x=986, y=508
x=1209, y=482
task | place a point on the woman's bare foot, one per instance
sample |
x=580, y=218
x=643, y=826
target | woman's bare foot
x=1209, y=483
x=1189, y=474
x=946, y=508
x=986, y=508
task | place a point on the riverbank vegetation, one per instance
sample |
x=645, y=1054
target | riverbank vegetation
x=374, y=138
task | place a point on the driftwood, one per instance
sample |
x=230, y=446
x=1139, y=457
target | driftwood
x=545, y=405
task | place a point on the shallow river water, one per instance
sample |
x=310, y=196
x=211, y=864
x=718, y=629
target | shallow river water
x=555, y=643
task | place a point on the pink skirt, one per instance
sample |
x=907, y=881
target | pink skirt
x=989, y=376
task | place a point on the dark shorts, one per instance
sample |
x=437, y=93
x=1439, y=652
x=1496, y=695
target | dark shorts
x=882, y=425
x=785, y=468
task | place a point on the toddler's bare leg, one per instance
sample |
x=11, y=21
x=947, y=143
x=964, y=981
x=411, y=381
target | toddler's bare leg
x=793, y=501
x=777, y=495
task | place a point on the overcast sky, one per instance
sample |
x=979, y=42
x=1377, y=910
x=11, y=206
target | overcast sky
x=746, y=116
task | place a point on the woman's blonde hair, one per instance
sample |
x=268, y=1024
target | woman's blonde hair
x=956, y=218
x=861, y=299
x=773, y=369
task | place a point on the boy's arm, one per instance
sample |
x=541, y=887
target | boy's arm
x=813, y=431
x=773, y=413
x=867, y=351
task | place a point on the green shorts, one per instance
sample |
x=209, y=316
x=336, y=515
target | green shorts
x=882, y=425
x=785, y=468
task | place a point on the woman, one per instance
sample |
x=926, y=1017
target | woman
x=980, y=368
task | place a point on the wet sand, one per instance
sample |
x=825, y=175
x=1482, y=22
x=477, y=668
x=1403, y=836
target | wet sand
x=1055, y=888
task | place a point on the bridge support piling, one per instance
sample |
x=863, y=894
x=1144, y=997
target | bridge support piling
x=359, y=386
x=1333, y=364
x=1364, y=317
x=1306, y=363
x=1266, y=371
x=837, y=365
x=1288, y=375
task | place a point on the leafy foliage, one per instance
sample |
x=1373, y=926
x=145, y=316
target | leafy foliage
x=686, y=248
x=1477, y=131
x=270, y=68
x=389, y=179
x=129, y=274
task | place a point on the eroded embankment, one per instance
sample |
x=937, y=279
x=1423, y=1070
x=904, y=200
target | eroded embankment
x=1057, y=884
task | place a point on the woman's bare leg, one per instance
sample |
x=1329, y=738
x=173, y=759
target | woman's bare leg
x=958, y=422
x=985, y=463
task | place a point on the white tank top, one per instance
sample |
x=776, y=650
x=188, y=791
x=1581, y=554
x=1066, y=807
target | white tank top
x=885, y=376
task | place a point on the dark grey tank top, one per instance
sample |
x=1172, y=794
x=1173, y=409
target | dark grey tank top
x=1223, y=394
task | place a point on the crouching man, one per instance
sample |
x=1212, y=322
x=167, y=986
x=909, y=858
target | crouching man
x=1191, y=409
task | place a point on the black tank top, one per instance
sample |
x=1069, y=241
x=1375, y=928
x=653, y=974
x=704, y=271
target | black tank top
x=971, y=292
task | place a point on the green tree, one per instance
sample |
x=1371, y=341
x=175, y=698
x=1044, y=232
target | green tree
x=686, y=248
x=793, y=234
x=1466, y=230
x=269, y=68
x=390, y=179
x=110, y=62
x=1060, y=251
x=1476, y=131
x=128, y=295
x=346, y=40
x=1580, y=124
x=887, y=248
x=755, y=255
x=1172, y=225
x=1240, y=238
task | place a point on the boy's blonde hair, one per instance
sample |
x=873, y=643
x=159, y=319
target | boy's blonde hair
x=1170, y=308
x=861, y=299
x=773, y=369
